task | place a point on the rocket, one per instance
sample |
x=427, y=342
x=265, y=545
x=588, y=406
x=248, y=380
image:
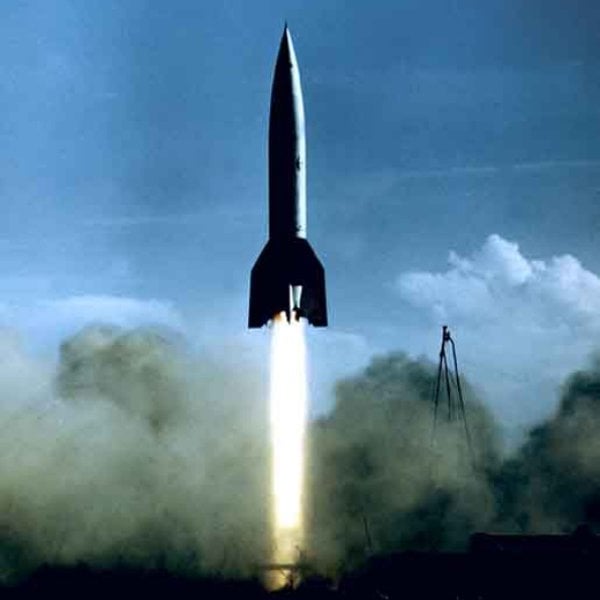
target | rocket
x=287, y=277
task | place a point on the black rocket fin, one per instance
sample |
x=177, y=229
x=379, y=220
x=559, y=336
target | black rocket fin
x=281, y=265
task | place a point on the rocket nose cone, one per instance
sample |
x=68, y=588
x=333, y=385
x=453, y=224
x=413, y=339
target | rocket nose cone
x=286, y=47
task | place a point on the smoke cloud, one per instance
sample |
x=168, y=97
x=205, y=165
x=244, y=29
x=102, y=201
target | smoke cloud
x=379, y=484
x=132, y=451
x=552, y=484
x=132, y=454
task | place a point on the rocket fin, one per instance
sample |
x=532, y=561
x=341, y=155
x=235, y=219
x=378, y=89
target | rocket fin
x=280, y=265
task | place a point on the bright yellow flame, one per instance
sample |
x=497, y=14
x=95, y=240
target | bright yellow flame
x=288, y=405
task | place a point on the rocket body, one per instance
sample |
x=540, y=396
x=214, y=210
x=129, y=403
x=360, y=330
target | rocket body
x=287, y=277
x=287, y=148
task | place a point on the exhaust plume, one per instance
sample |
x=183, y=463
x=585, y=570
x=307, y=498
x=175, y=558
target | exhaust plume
x=288, y=405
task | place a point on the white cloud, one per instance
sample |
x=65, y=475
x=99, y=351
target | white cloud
x=497, y=283
x=113, y=309
x=46, y=322
x=522, y=324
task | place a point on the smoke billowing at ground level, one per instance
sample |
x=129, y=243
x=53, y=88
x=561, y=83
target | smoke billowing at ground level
x=379, y=486
x=132, y=452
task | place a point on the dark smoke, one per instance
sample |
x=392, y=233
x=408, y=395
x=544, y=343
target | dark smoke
x=378, y=482
x=553, y=483
x=378, y=485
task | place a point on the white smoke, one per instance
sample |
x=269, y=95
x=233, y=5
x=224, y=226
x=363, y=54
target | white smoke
x=130, y=452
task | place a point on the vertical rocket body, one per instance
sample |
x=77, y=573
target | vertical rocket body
x=287, y=277
x=287, y=148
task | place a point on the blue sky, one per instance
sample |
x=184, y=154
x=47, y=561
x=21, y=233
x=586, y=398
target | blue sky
x=133, y=176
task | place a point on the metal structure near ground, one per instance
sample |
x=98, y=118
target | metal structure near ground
x=454, y=397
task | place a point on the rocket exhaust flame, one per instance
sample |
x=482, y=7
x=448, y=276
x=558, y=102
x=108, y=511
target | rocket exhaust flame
x=288, y=413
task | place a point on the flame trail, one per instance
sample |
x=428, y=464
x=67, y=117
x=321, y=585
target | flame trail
x=288, y=406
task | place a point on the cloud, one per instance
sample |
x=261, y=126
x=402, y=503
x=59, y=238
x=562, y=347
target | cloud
x=122, y=311
x=45, y=322
x=498, y=283
x=522, y=323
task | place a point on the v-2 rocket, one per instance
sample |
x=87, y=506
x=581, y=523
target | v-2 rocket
x=287, y=277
